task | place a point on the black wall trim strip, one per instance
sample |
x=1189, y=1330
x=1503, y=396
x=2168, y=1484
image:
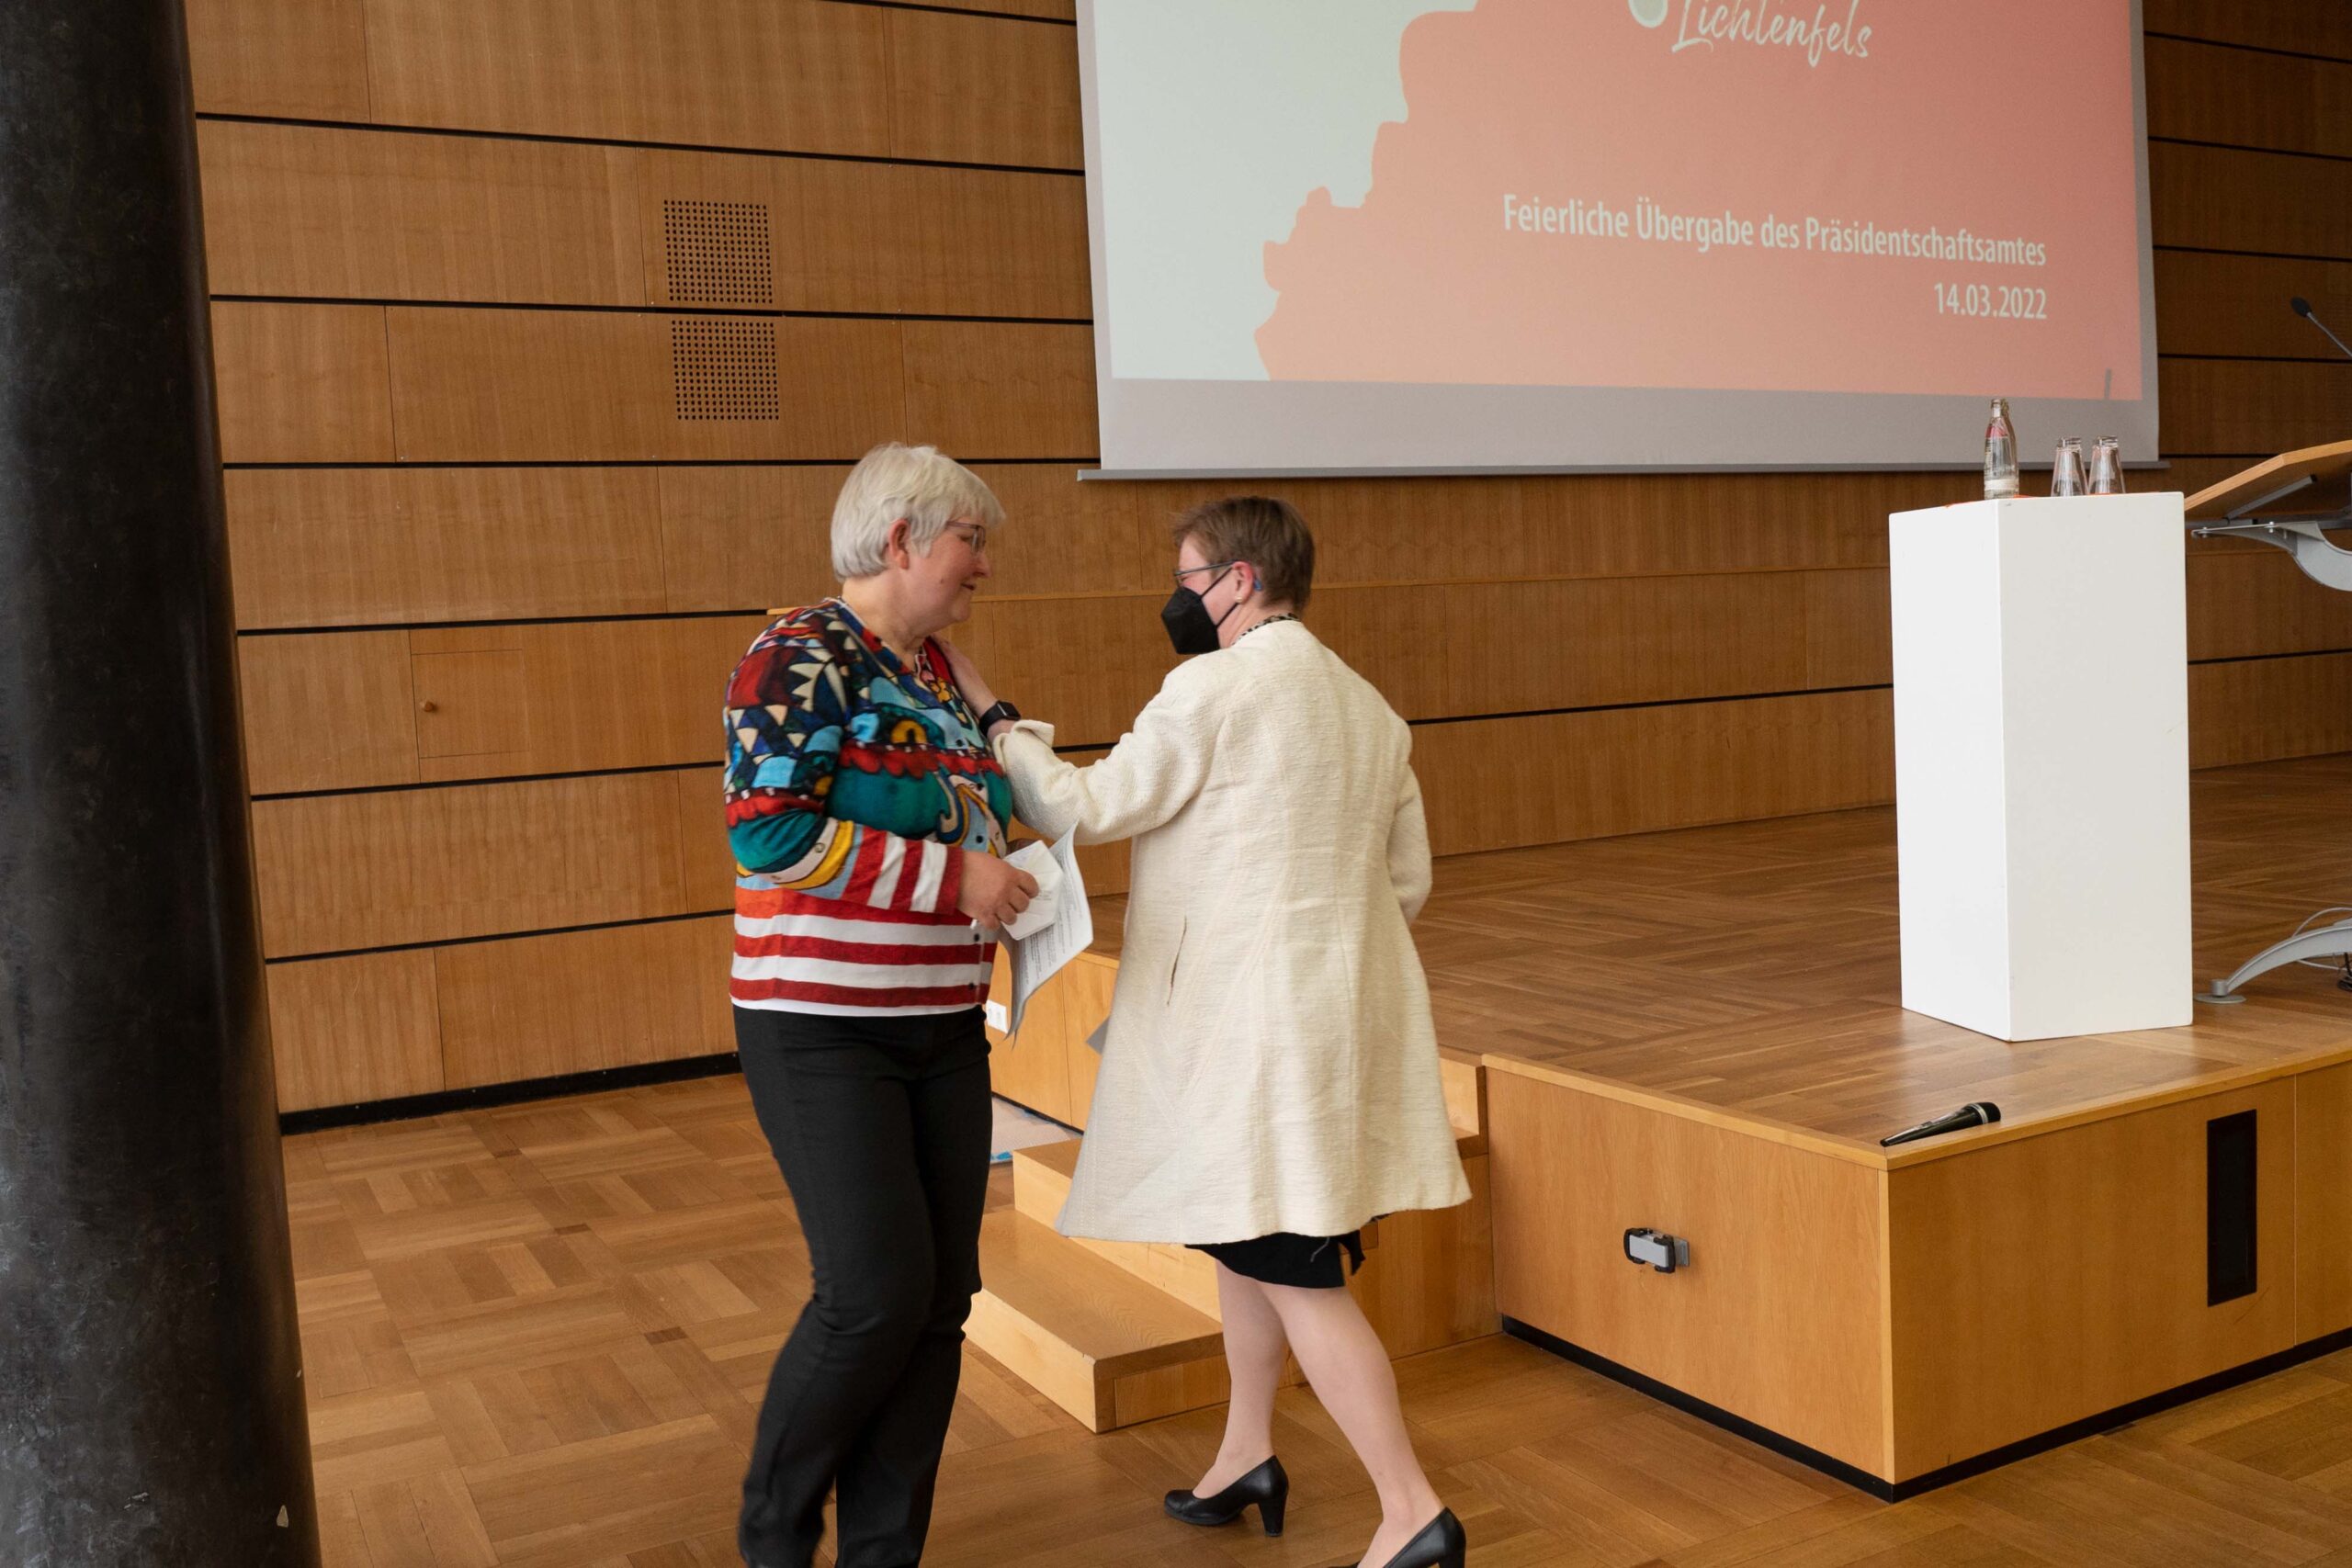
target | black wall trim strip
x=500, y=621
x=588, y=310
x=2259, y=152
x=1895, y=1492
x=962, y=11
x=291, y=1123
x=714, y=763
x=620, y=142
x=842, y=463
x=2253, y=48
x=500, y=936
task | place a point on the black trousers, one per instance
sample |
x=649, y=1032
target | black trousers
x=881, y=1127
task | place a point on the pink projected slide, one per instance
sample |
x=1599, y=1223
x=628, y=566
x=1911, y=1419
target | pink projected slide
x=1865, y=196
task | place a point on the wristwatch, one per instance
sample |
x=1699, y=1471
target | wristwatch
x=1005, y=712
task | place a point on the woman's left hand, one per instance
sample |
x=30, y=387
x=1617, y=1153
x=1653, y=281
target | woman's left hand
x=968, y=679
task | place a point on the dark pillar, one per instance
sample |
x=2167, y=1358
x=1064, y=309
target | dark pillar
x=151, y=1411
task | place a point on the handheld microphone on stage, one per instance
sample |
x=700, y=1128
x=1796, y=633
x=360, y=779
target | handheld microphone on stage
x=1975, y=1113
x=2302, y=308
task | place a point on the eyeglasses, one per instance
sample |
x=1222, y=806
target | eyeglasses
x=1182, y=572
x=975, y=534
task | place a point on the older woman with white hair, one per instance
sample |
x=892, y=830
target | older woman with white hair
x=867, y=818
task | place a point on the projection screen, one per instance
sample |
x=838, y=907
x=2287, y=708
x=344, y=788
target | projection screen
x=1511, y=235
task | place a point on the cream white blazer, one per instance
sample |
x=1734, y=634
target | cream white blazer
x=1270, y=1063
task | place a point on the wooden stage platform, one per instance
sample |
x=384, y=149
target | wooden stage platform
x=1700, y=1031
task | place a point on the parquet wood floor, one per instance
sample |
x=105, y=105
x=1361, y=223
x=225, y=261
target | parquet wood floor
x=535, y=1336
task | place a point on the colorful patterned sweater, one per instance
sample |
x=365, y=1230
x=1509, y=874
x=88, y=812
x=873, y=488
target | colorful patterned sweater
x=852, y=783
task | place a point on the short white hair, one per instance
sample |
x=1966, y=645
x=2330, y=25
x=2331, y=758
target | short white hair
x=921, y=484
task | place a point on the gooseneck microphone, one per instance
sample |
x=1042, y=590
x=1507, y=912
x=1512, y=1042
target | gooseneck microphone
x=2302, y=308
x=1975, y=1113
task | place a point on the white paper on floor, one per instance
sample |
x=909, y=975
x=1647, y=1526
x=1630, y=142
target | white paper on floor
x=1019, y=1129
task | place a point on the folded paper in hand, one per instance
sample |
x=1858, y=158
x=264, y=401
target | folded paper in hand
x=1057, y=925
x=1037, y=860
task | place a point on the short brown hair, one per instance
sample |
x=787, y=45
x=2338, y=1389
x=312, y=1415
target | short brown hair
x=1268, y=534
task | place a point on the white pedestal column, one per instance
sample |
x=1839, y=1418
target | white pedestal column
x=2041, y=764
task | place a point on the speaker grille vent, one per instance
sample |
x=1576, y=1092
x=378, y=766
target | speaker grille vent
x=717, y=253
x=725, y=369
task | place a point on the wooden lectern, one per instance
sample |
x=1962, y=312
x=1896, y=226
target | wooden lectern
x=2291, y=501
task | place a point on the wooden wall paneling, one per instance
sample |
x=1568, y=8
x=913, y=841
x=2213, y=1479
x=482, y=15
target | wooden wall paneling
x=352, y=547
x=557, y=386
x=475, y=716
x=2226, y=199
x=1096, y=538
x=2125, y=1318
x=1049, y=10
x=539, y=67
x=580, y=1001
x=707, y=207
x=1505, y=782
x=1787, y=1250
x=705, y=864
x=347, y=1030
x=2303, y=26
x=983, y=389
x=2253, y=407
x=2323, y=1203
x=2236, y=306
x=749, y=537
x=326, y=711
x=574, y=697
x=913, y=240
x=301, y=383
x=529, y=386
x=2245, y=97
x=339, y=873
x=1443, y=650
x=984, y=90
x=1086, y=666
x=299, y=59
x=2243, y=605
x=799, y=75
x=342, y=710
x=2256, y=710
x=292, y=209
x=1849, y=630
x=841, y=388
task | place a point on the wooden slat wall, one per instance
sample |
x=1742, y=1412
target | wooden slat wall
x=490, y=580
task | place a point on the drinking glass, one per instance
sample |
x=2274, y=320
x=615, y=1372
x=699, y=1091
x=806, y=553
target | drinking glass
x=2066, y=472
x=2107, y=467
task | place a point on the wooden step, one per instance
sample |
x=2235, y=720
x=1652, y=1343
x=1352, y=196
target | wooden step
x=1041, y=1179
x=1107, y=1347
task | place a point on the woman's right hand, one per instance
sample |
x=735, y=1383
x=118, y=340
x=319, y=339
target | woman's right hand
x=993, y=891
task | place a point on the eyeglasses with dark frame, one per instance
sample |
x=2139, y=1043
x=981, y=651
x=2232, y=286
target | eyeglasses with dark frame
x=1182, y=572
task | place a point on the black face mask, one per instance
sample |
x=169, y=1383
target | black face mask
x=1191, y=628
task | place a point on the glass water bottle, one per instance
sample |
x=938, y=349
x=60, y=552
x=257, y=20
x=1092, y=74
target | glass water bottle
x=2000, y=454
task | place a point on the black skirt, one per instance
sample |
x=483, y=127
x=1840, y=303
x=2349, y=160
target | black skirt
x=1309, y=1262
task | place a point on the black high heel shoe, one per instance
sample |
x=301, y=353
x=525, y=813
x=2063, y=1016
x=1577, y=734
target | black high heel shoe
x=1441, y=1544
x=1268, y=1486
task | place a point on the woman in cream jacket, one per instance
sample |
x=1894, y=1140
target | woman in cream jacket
x=1269, y=1077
